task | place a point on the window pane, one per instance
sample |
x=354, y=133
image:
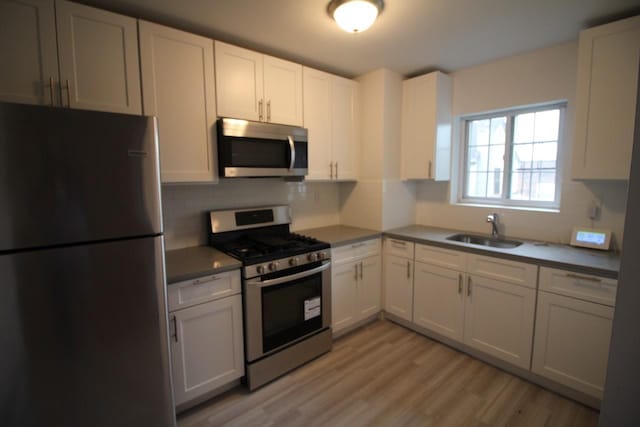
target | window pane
x=545, y=155
x=477, y=159
x=546, y=125
x=543, y=186
x=498, y=130
x=494, y=189
x=520, y=184
x=479, y=132
x=522, y=157
x=496, y=157
x=523, y=128
x=477, y=184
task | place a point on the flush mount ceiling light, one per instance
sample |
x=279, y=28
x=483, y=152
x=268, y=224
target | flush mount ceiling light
x=355, y=16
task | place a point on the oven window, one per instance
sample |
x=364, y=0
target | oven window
x=291, y=310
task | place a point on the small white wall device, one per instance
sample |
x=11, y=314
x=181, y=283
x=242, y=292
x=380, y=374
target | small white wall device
x=591, y=238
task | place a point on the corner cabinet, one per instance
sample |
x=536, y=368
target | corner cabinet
x=355, y=284
x=330, y=116
x=607, y=84
x=257, y=87
x=178, y=87
x=426, y=127
x=207, y=351
x=96, y=53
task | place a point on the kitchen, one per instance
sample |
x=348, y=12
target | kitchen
x=377, y=197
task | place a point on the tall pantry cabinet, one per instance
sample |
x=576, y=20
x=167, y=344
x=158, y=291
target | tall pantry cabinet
x=65, y=54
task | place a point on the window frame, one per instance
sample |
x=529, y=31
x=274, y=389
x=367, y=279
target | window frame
x=510, y=114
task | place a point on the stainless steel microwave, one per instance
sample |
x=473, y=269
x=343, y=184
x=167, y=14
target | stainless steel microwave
x=257, y=149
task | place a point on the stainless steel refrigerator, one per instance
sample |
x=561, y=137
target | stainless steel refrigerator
x=83, y=323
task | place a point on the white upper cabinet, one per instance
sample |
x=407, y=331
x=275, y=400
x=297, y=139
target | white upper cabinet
x=426, y=127
x=29, y=73
x=258, y=87
x=98, y=52
x=330, y=117
x=93, y=65
x=606, y=100
x=178, y=86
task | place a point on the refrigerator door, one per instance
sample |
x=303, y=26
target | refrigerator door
x=69, y=176
x=84, y=336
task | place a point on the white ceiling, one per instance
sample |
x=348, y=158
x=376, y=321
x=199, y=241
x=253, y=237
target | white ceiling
x=410, y=37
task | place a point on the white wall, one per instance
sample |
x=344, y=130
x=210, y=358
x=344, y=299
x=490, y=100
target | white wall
x=539, y=76
x=185, y=206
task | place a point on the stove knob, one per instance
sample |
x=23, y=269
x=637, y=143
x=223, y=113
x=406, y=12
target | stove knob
x=312, y=257
x=260, y=269
x=273, y=266
x=294, y=261
x=322, y=255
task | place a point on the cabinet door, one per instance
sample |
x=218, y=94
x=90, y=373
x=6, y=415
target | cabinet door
x=369, y=287
x=98, y=53
x=345, y=144
x=239, y=83
x=426, y=127
x=438, y=302
x=178, y=82
x=282, y=91
x=398, y=286
x=317, y=120
x=606, y=100
x=29, y=52
x=207, y=348
x=499, y=319
x=572, y=342
x=344, y=304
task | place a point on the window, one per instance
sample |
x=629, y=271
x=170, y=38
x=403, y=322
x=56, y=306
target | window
x=511, y=158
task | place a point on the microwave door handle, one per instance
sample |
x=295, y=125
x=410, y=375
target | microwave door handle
x=292, y=151
x=279, y=280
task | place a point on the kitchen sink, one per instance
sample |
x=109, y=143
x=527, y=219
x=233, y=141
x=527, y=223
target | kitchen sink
x=473, y=239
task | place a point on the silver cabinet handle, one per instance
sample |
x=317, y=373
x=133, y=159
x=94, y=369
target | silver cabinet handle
x=292, y=151
x=357, y=245
x=207, y=280
x=469, y=286
x=356, y=277
x=459, y=283
x=408, y=269
x=51, y=90
x=336, y=170
x=269, y=110
x=260, y=110
x=430, y=164
x=331, y=170
x=68, y=93
x=587, y=278
x=361, y=268
x=398, y=243
x=175, y=328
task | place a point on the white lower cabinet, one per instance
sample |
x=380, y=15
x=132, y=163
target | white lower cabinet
x=355, y=283
x=206, y=338
x=498, y=319
x=398, y=286
x=572, y=335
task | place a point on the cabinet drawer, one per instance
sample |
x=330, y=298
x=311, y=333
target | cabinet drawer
x=355, y=251
x=446, y=258
x=518, y=273
x=205, y=288
x=401, y=248
x=583, y=286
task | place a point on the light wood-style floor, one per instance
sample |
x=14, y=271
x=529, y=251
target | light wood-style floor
x=386, y=375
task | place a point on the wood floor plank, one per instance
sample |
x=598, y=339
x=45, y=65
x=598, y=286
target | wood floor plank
x=384, y=374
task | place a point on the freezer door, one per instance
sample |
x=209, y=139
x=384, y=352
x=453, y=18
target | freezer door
x=84, y=337
x=71, y=176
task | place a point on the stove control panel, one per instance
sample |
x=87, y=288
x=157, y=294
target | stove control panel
x=285, y=263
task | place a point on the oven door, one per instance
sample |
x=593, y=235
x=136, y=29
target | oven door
x=285, y=307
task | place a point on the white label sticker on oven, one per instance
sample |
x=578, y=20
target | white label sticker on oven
x=311, y=308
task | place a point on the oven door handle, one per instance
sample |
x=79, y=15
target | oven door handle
x=279, y=280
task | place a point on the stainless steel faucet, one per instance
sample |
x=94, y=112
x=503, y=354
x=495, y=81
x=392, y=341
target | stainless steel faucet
x=493, y=219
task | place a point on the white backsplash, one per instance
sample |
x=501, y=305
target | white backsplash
x=185, y=207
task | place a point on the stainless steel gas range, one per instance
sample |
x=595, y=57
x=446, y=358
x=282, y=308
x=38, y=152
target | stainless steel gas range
x=286, y=281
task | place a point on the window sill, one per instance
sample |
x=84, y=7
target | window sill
x=509, y=207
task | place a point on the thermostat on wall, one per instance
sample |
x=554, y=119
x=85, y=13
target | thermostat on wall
x=591, y=238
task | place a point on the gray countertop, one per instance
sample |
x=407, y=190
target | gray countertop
x=338, y=235
x=590, y=261
x=197, y=261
